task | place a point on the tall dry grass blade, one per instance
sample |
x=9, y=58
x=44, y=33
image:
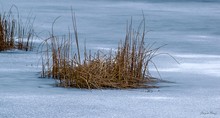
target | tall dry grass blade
x=76, y=34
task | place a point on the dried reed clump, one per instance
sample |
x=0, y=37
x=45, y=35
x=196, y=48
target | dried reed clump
x=127, y=67
x=14, y=34
x=7, y=30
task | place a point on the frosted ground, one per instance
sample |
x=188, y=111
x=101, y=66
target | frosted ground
x=190, y=28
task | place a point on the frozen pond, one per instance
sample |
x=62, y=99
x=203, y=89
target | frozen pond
x=190, y=28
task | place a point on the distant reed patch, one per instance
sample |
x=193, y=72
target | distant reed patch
x=14, y=34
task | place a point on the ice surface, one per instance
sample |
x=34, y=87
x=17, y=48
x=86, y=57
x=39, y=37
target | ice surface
x=189, y=27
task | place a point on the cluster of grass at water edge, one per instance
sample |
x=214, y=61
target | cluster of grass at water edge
x=13, y=33
x=127, y=67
